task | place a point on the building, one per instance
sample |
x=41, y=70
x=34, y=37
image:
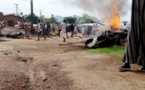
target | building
x=1, y=16
x=10, y=19
x=13, y=18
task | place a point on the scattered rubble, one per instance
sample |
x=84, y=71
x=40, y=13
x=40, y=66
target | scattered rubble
x=12, y=32
x=25, y=59
x=107, y=40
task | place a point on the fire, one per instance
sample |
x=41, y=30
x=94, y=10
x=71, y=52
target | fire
x=115, y=19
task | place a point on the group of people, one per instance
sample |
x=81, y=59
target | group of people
x=63, y=28
x=42, y=29
x=45, y=29
x=135, y=46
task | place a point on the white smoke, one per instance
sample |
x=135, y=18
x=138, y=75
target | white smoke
x=100, y=9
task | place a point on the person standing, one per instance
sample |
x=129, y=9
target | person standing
x=63, y=30
x=72, y=30
x=48, y=29
x=40, y=29
x=0, y=28
x=27, y=30
x=135, y=48
x=83, y=30
x=59, y=28
x=67, y=30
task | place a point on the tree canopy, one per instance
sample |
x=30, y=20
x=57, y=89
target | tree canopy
x=75, y=20
x=28, y=18
x=84, y=19
x=70, y=20
x=53, y=20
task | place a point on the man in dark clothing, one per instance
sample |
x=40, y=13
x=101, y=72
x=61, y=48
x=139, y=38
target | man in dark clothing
x=0, y=27
x=48, y=30
x=0, y=30
x=67, y=30
x=59, y=28
x=135, y=48
x=72, y=30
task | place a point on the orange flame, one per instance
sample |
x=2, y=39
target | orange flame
x=115, y=19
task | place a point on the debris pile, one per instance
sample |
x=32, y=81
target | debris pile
x=11, y=32
x=107, y=39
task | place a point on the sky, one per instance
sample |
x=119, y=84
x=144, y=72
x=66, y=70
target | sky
x=48, y=7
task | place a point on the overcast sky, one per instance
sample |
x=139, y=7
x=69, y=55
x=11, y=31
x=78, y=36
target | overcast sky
x=48, y=7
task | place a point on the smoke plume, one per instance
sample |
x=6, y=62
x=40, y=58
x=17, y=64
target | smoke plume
x=100, y=9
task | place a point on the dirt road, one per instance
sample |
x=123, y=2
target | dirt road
x=44, y=65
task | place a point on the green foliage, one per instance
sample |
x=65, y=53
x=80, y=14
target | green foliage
x=28, y=18
x=25, y=17
x=84, y=19
x=43, y=18
x=52, y=20
x=70, y=19
x=113, y=50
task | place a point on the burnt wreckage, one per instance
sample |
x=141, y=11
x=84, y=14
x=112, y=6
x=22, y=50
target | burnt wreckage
x=11, y=32
x=107, y=39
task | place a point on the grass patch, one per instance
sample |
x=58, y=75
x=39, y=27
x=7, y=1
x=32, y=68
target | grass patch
x=113, y=50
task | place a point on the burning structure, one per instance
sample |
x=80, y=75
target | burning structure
x=109, y=12
x=115, y=19
x=112, y=35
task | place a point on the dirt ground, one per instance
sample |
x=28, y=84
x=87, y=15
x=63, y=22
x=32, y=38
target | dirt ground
x=44, y=65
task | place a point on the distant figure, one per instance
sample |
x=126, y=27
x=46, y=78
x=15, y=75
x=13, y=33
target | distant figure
x=72, y=30
x=48, y=30
x=86, y=30
x=63, y=30
x=59, y=28
x=67, y=30
x=18, y=23
x=39, y=28
x=53, y=29
x=76, y=30
x=11, y=23
x=0, y=28
x=83, y=30
x=27, y=30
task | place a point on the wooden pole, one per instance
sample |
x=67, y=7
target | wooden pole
x=32, y=18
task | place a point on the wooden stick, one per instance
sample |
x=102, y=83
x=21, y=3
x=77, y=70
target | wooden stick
x=71, y=43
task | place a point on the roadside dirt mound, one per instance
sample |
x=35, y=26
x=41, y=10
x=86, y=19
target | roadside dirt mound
x=44, y=65
x=48, y=76
x=25, y=74
x=11, y=80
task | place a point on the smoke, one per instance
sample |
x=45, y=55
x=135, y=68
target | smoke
x=100, y=9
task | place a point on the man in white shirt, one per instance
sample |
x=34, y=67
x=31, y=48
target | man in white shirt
x=63, y=30
x=39, y=25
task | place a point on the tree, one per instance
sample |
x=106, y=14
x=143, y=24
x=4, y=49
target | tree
x=53, y=20
x=70, y=19
x=25, y=17
x=43, y=18
x=85, y=19
x=35, y=18
x=21, y=14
